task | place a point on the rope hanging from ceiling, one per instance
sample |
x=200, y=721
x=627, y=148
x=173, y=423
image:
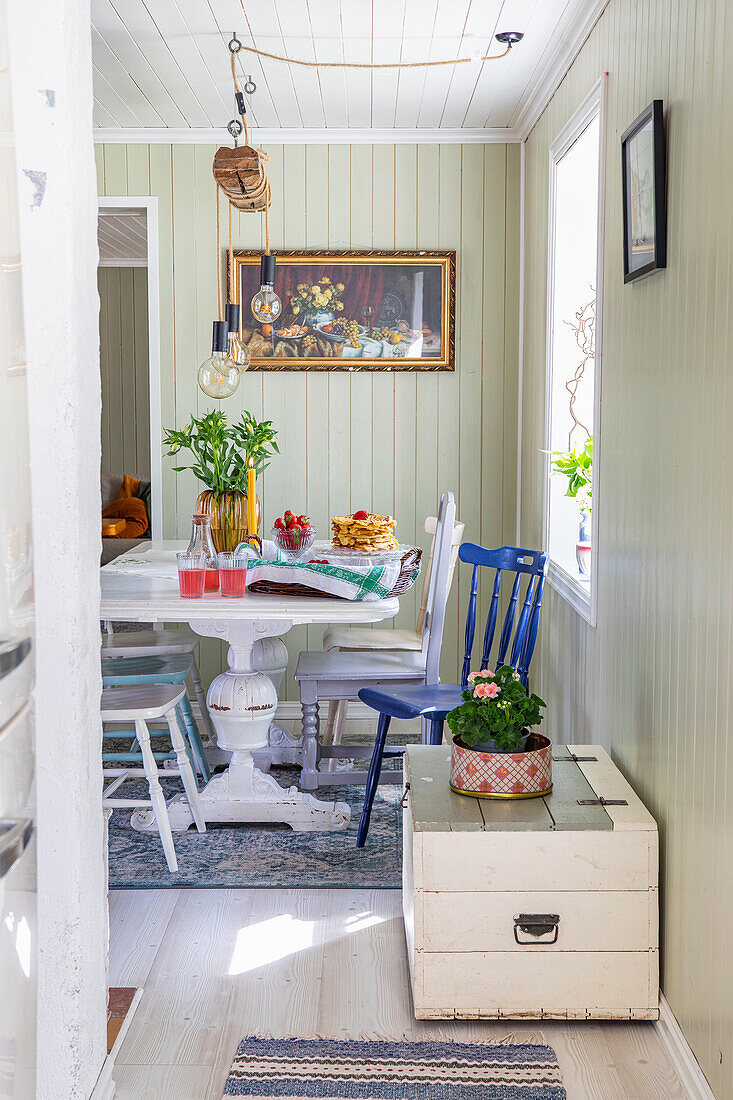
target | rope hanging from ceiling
x=508, y=37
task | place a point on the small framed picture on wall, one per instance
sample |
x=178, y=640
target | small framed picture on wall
x=644, y=183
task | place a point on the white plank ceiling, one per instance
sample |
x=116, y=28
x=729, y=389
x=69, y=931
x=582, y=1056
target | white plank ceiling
x=164, y=64
x=122, y=236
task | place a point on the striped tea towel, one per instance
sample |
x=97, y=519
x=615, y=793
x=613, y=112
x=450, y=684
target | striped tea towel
x=353, y=582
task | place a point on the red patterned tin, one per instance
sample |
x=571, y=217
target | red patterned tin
x=525, y=774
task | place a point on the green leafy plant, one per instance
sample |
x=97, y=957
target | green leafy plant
x=577, y=467
x=497, y=708
x=221, y=451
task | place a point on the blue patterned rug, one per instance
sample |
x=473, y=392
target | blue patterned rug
x=346, y=1070
x=263, y=855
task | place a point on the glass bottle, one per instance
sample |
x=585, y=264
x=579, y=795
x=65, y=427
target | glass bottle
x=218, y=377
x=239, y=354
x=266, y=305
x=202, y=543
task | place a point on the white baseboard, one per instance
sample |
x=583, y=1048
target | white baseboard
x=105, y=1087
x=288, y=710
x=680, y=1054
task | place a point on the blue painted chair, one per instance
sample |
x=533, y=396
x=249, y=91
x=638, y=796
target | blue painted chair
x=170, y=669
x=433, y=702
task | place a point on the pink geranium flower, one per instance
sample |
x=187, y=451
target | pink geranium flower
x=472, y=676
x=486, y=691
x=486, y=672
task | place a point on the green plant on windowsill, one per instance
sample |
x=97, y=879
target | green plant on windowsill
x=577, y=466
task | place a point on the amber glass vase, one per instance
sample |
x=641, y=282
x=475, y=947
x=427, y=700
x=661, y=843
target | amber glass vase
x=228, y=511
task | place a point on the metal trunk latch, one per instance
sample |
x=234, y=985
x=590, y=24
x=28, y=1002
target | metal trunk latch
x=536, y=925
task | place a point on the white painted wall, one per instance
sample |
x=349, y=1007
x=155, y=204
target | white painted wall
x=52, y=92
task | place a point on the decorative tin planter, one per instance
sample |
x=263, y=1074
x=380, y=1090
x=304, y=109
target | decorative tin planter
x=525, y=774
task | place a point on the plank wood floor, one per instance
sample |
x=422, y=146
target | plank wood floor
x=218, y=965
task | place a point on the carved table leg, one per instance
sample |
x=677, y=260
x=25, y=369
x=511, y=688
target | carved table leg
x=242, y=703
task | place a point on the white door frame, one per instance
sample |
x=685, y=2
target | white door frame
x=149, y=204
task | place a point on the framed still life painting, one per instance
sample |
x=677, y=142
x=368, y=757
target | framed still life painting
x=350, y=310
x=644, y=185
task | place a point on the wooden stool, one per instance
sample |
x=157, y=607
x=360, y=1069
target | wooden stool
x=141, y=705
x=153, y=643
x=161, y=669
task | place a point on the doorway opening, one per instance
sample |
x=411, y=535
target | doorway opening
x=129, y=334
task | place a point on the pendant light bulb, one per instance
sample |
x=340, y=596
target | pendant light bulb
x=266, y=306
x=218, y=377
x=239, y=354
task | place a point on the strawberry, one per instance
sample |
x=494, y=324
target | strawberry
x=287, y=515
x=360, y=515
x=304, y=522
x=279, y=524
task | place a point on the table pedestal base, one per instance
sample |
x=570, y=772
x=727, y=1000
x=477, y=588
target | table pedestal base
x=242, y=703
x=244, y=793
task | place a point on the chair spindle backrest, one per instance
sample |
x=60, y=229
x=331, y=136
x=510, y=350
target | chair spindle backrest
x=506, y=560
x=432, y=635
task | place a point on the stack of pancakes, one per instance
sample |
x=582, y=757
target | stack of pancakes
x=365, y=535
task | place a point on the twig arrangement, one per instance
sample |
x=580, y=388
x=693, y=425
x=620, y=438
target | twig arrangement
x=584, y=330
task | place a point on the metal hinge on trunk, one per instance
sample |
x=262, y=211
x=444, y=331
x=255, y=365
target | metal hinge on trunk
x=602, y=801
x=573, y=759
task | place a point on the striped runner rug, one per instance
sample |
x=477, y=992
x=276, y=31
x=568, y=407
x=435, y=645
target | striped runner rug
x=352, y=1070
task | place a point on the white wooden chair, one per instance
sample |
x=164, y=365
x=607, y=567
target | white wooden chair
x=141, y=705
x=159, y=643
x=359, y=638
x=333, y=676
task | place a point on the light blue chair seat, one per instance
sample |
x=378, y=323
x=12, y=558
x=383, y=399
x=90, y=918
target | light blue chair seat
x=169, y=669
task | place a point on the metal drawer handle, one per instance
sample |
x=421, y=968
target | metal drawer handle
x=15, y=835
x=536, y=924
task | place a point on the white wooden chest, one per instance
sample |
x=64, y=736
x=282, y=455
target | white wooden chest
x=539, y=907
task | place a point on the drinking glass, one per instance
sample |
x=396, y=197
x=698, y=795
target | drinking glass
x=191, y=575
x=232, y=572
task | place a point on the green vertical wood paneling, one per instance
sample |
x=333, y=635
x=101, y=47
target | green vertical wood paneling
x=123, y=340
x=389, y=442
x=652, y=680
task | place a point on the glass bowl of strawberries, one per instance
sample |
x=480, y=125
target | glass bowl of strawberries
x=293, y=535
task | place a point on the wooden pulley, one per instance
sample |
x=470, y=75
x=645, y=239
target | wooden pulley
x=241, y=174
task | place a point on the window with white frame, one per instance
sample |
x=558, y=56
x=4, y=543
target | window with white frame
x=573, y=315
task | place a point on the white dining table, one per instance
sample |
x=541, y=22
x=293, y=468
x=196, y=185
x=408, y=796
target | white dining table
x=140, y=587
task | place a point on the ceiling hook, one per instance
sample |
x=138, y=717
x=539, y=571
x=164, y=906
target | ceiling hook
x=250, y=86
x=235, y=128
x=234, y=44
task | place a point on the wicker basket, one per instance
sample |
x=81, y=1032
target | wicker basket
x=410, y=568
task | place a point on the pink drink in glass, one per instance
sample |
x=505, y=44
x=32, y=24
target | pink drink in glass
x=233, y=581
x=233, y=573
x=191, y=575
x=211, y=581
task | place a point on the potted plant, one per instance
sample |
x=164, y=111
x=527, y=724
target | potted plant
x=494, y=753
x=221, y=454
x=577, y=466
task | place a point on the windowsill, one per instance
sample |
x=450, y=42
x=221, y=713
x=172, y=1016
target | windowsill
x=575, y=591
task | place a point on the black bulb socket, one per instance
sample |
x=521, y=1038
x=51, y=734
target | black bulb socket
x=267, y=269
x=231, y=315
x=220, y=337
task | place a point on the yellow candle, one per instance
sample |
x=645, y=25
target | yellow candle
x=251, y=499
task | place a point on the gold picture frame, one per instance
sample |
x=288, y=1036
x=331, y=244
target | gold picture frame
x=399, y=306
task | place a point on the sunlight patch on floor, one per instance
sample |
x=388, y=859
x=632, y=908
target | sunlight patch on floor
x=274, y=939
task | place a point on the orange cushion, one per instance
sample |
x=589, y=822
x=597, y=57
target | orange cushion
x=129, y=508
x=130, y=487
